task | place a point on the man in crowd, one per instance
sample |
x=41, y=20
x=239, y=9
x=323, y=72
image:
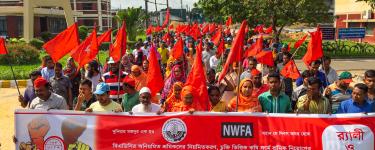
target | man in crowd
x=114, y=81
x=103, y=103
x=145, y=102
x=252, y=64
x=29, y=94
x=313, y=102
x=287, y=82
x=131, y=96
x=48, y=72
x=328, y=70
x=61, y=85
x=358, y=102
x=275, y=101
x=259, y=87
x=339, y=90
x=302, y=89
x=314, y=68
x=370, y=82
x=85, y=97
x=45, y=98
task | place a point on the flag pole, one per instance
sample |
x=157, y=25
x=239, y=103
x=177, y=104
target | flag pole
x=14, y=78
x=238, y=84
x=119, y=68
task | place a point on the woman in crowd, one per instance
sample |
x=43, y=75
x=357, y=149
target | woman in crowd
x=174, y=97
x=246, y=102
x=177, y=75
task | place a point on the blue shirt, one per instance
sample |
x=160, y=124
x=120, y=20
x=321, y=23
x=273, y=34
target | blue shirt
x=349, y=106
x=319, y=74
x=47, y=73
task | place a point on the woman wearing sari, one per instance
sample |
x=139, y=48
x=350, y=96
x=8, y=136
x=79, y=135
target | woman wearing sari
x=187, y=103
x=246, y=102
x=177, y=75
x=174, y=97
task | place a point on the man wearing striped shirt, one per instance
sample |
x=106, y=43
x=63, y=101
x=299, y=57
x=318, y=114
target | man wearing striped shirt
x=111, y=78
x=275, y=101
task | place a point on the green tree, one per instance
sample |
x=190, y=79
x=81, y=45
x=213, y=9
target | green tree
x=134, y=18
x=83, y=31
x=275, y=13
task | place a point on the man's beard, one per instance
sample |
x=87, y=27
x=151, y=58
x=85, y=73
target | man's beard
x=146, y=108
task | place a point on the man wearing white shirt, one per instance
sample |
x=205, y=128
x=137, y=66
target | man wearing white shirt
x=330, y=73
x=145, y=102
x=214, y=61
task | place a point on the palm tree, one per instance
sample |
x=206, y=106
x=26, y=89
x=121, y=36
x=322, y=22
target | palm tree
x=134, y=18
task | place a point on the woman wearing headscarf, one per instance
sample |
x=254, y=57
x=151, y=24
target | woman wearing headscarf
x=174, y=97
x=246, y=102
x=177, y=74
x=139, y=76
x=187, y=103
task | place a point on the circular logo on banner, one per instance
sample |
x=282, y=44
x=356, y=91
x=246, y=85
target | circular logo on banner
x=54, y=143
x=174, y=130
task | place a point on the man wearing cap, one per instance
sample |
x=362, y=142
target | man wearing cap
x=111, y=78
x=339, y=90
x=358, y=102
x=45, y=98
x=146, y=105
x=103, y=103
x=131, y=96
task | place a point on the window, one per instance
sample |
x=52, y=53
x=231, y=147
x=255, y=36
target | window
x=87, y=6
x=3, y=26
x=370, y=28
x=56, y=25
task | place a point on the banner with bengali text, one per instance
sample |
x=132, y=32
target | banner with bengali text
x=58, y=130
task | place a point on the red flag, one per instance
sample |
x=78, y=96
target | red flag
x=229, y=21
x=268, y=30
x=86, y=51
x=212, y=27
x=119, y=47
x=236, y=50
x=166, y=37
x=247, y=29
x=167, y=16
x=154, y=76
x=290, y=70
x=197, y=80
x=221, y=48
x=206, y=29
x=265, y=57
x=3, y=48
x=259, y=29
x=314, y=48
x=63, y=43
x=227, y=31
x=216, y=38
x=178, y=49
x=105, y=37
x=170, y=27
x=300, y=42
x=257, y=48
x=149, y=30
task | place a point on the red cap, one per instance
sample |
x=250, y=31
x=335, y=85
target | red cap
x=129, y=81
x=255, y=72
x=39, y=82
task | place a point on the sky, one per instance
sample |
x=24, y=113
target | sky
x=115, y=4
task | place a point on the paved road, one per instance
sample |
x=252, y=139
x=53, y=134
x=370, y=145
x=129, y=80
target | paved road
x=346, y=64
x=8, y=103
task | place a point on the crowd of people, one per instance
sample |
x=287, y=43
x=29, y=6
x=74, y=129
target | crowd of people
x=249, y=86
